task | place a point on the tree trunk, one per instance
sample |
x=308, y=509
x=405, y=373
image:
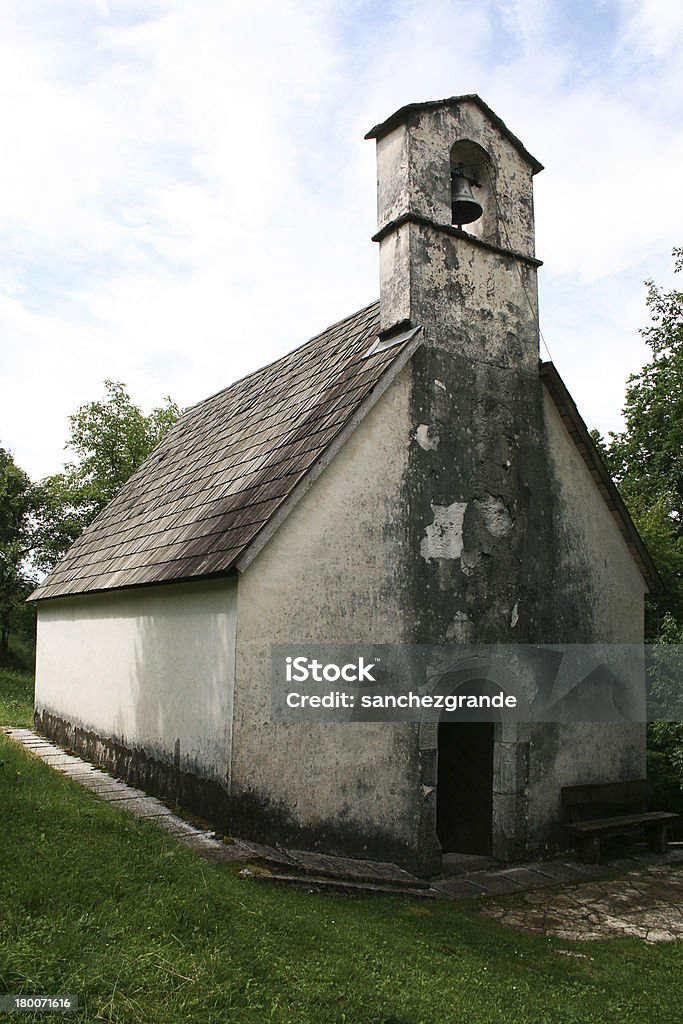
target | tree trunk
x=5, y=622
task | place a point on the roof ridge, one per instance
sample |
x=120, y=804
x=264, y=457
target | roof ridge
x=286, y=355
x=241, y=458
x=407, y=109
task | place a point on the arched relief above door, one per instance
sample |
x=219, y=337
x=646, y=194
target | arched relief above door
x=451, y=673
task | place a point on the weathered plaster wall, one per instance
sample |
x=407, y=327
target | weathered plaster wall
x=429, y=272
x=414, y=165
x=571, y=754
x=509, y=539
x=334, y=572
x=144, y=679
x=478, y=542
x=598, y=596
x=600, y=587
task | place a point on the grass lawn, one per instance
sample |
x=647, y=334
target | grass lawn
x=96, y=903
x=16, y=697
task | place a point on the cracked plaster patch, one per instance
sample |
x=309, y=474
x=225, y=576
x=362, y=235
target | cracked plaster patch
x=443, y=537
x=459, y=630
x=497, y=518
x=428, y=441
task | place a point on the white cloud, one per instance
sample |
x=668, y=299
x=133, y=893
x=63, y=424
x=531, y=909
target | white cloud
x=653, y=28
x=186, y=192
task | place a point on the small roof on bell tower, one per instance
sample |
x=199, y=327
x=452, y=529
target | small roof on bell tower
x=401, y=115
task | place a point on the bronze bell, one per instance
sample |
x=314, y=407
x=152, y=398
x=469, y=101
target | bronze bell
x=464, y=207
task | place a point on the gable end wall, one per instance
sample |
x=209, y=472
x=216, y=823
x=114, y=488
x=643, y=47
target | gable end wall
x=333, y=572
x=599, y=594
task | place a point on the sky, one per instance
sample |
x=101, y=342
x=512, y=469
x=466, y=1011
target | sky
x=186, y=194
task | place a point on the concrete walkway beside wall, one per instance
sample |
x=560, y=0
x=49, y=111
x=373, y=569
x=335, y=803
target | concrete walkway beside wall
x=558, y=897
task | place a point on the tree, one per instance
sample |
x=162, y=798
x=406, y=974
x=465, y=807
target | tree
x=17, y=502
x=646, y=459
x=110, y=438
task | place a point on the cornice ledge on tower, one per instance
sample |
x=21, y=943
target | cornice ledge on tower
x=450, y=229
x=403, y=113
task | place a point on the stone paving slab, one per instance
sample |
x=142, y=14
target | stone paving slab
x=526, y=877
x=147, y=807
x=122, y=795
x=226, y=853
x=646, y=904
x=80, y=768
x=102, y=783
x=354, y=870
x=343, y=885
x=112, y=794
x=457, y=888
x=179, y=826
x=466, y=863
x=259, y=851
x=214, y=850
x=493, y=883
x=558, y=872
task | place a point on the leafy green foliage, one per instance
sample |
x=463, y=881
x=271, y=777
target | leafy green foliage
x=646, y=459
x=665, y=738
x=17, y=502
x=109, y=438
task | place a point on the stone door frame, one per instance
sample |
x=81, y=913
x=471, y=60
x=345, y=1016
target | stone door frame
x=510, y=760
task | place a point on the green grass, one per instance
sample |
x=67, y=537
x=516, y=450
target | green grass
x=96, y=903
x=16, y=697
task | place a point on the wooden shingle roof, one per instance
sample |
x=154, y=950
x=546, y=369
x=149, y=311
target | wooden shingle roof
x=230, y=464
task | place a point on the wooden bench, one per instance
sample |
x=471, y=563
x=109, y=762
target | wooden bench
x=588, y=806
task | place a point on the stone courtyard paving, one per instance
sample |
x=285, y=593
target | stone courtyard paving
x=645, y=904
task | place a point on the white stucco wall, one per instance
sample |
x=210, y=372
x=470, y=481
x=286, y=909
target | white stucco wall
x=333, y=572
x=150, y=668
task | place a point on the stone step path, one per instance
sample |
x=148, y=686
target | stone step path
x=466, y=878
x=292, y=866
x=315, y=883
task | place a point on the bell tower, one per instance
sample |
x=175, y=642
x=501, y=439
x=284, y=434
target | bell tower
x=456, y=230
x=457, y=259
x=456, y=239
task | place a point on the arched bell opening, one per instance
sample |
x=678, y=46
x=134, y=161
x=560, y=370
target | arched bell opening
x=473, y=203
